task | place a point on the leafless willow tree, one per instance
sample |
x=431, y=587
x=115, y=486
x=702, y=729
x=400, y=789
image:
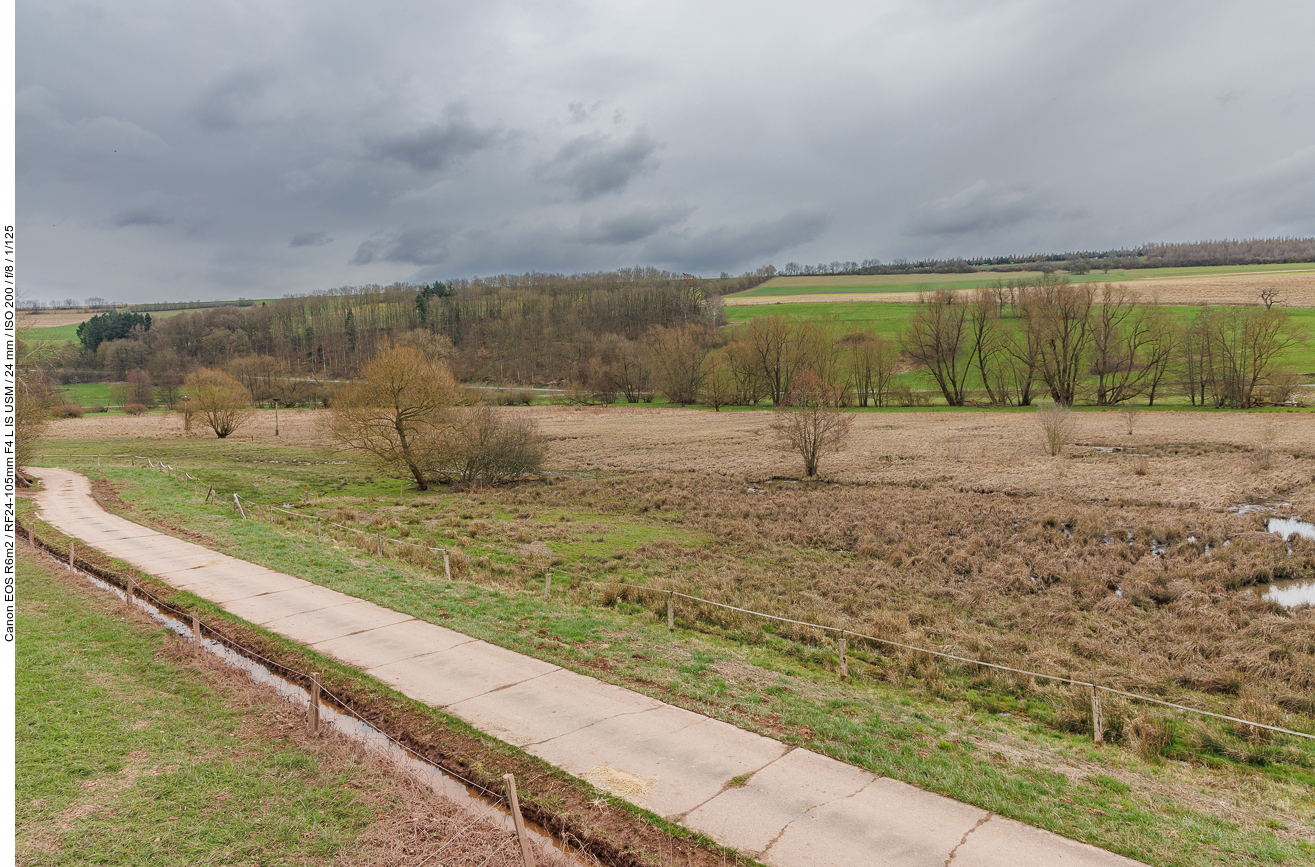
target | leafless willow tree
x=809, y=420
x=937, y=339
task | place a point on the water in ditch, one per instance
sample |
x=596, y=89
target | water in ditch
x=1298, y=591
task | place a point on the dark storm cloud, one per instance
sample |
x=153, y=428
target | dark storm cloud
x=140, y=217
x=725, y=246
x=596, y=164
x=433, y=148
x=634, y=225
x=287, y=147
x=978, y=209
x=411, y=246
x=310, y=239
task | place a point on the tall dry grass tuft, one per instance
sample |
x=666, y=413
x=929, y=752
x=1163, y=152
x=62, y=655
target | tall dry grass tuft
x=1058, y=426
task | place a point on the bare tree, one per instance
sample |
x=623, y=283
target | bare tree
x=719, y=386
x=937, y=339
x=872, y=363
x=397, y=413
x=1059, y=316
x=480, y=444
x=809, y=420
x=680, y=361
x=1269, y=297
x=222, y=402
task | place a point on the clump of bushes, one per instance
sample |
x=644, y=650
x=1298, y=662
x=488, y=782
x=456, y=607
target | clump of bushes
x=98, y=407
x=515, y=397
x=135, y=408
x=66, y=410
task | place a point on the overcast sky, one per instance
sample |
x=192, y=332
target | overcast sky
x=176, y=151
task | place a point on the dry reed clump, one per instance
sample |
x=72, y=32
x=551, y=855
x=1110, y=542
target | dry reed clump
x=1032, y=582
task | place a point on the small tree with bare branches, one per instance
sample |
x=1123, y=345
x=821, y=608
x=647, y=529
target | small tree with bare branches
x=220, y=399
x=810, y=422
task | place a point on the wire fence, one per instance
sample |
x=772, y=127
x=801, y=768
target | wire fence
x=198, y=630
x=843, y=634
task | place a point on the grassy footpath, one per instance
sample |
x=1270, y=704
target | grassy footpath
x=992, y=748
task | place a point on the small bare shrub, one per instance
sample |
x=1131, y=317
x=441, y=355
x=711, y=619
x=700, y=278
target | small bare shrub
x=98, y=407
x=1148, y=736
x=1143, y=466
x=135, y=408
x=1058, y=426
x=66, y=410
x=1129, y=414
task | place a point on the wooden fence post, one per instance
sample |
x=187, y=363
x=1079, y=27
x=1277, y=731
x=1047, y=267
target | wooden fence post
x=210, y=493
x=319, y=529
x=196, y=632
x=241, y=511
x=313, y=709
x=380, y=538
x=527, y=854
x=547, y=586
x=70, y=553
x=1097, y=718
x=844, y=662
x=671, y=611
x=131, y=591
x=447, y=566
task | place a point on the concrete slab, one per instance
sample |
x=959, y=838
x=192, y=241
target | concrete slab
x=285, y=603
x=390, y=644
x=1003, y=842
x=548, y=707
x=685, y=758
x=887, y=824
x=336, y=622
x=750, y=817
x=225, y=589
x=460, y=672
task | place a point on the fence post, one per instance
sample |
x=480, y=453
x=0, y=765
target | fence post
x=70, y=553
x=844, y=663
x=210, y=493
x=313, y=709
x=98, y=462
x=671, y=611
x=547, y=586
x=527, y=854
x=196, y=632
x=132, y=591
x=447, y=566
x=380, y=538
x=1097, y=718
x=319, y=529
x=31, y=536
x=134, y=460
x=241, y=511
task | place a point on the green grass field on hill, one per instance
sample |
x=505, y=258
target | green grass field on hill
x=880, y=283
x=890, y=319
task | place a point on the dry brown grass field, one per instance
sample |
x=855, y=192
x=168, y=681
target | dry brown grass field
x=52, y=319
x=952, y=529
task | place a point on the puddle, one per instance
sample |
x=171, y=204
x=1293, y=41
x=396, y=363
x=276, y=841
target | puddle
x=370, y=738
x=1290, y=594
x=1288, y=527
x=1253, y=508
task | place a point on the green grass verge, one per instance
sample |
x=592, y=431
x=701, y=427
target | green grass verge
x=935, y=735
x=125, y=758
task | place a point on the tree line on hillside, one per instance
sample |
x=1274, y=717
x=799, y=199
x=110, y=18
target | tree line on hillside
x=525, y=329
x=1011, y=344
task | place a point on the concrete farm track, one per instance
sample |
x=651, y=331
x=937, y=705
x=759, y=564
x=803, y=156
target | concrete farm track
x=797, y=808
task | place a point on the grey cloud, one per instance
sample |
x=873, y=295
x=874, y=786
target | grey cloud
x=310, y=239
x=634, y=225
x=140, y=217
x=978, y=209
x=432, y=148
x=411, y=246
x=726, y=247
x=225, y=105
x=594, y=165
